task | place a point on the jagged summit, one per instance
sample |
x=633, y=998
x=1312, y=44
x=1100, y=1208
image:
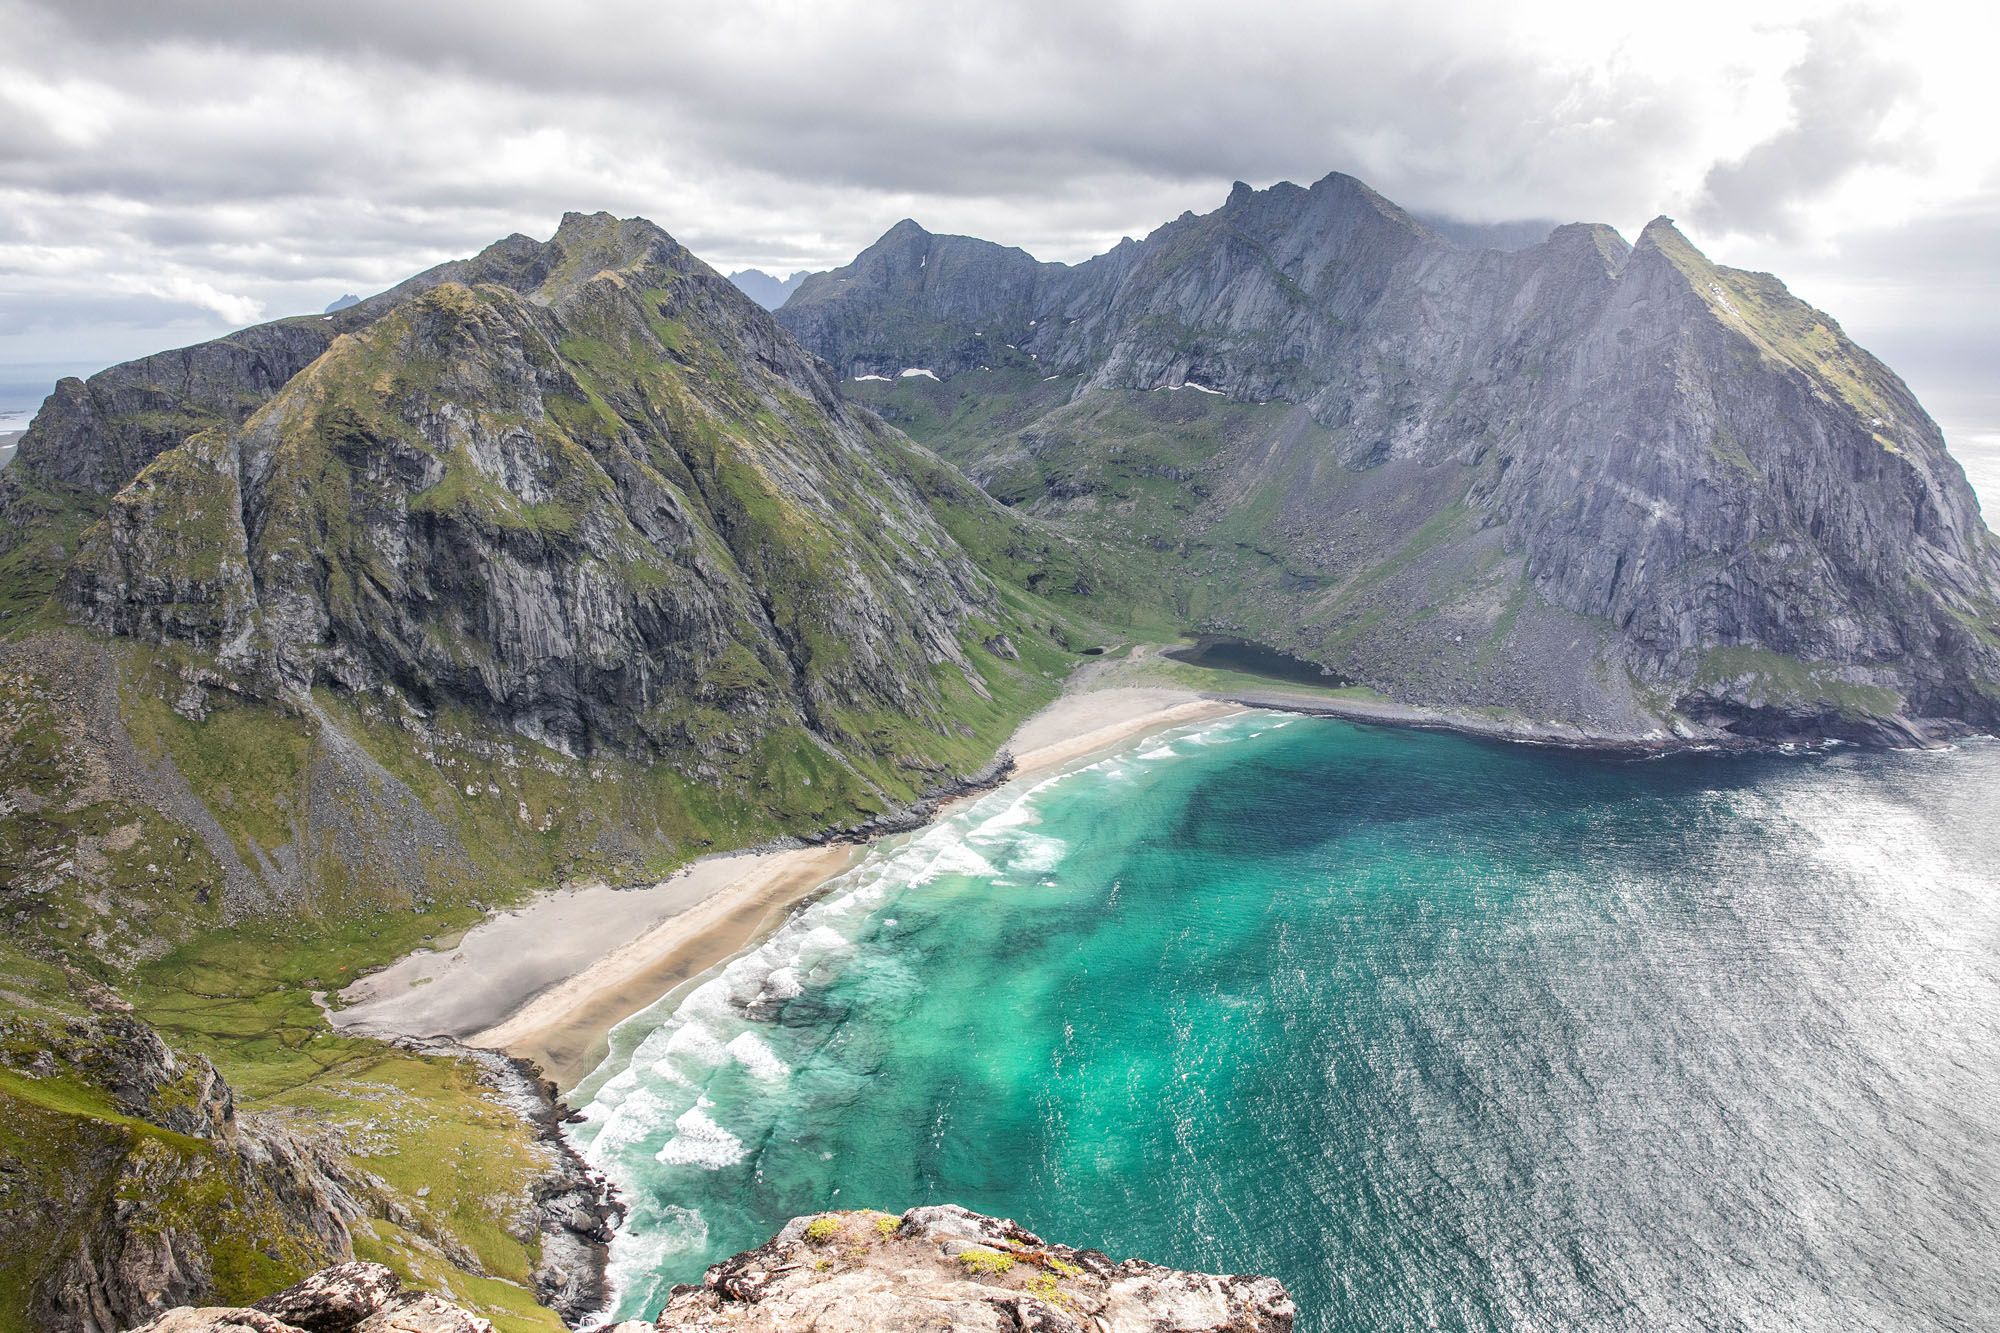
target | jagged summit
x=1620, y=486
x=766, y=290
x=582, y=487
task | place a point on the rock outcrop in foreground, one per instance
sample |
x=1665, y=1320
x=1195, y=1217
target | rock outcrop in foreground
x=347, y=1298
x=940, y=1267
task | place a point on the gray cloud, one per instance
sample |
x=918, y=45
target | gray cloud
x=1843, y=92
x=166, y=168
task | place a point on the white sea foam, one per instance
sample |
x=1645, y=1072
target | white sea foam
x=638, y=1115
x=695, y=1043
x=1017, y=814
x=784, y=983
x=699, y=1141
x=1162, y=752
x=954, y=858
x=651, y=1236
x=667, y=1072
x=755, y=1055
x=1035, y=854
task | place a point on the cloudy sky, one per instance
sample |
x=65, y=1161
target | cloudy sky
x=169, y=171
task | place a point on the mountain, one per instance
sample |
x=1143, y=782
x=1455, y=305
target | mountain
x=342, y=302
x=1583, y=488
x=766, y=290
x=586, y=491
x=1516, y=235
x=320, y=640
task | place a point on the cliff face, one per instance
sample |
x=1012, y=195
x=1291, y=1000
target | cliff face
x=584, y=489
x=932, y=1268
x=1619, y=486
x=131, y=1183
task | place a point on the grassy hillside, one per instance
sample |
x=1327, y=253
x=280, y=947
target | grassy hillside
x=219, y=857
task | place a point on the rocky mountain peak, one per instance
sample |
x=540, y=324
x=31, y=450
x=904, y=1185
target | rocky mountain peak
x=1663, y=238
x=584, y=488
x=1692, y=473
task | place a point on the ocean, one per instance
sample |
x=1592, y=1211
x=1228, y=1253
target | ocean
x=1444, y=1033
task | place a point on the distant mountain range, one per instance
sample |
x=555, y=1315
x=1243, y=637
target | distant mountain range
x=766, y=290
x=1579, y=480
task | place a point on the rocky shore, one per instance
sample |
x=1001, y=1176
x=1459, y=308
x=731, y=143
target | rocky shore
x=940, y=1267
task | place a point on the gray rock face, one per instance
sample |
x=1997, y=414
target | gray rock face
x=96, y=434
x=147, y=1208
x=1619, y=485
x=937, y=1268
x=582, y=488
x=766, y=290
x=945, y=1267
x=347, y=1298
x=917, y=301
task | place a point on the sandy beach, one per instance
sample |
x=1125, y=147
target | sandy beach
x=548, y=980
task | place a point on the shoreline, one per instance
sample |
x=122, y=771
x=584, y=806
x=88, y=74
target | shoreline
x=1563, y=736
x=548, y=980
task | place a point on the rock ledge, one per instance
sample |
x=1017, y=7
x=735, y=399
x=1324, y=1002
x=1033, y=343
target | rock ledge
x=945, y=1267
x=933, y=1268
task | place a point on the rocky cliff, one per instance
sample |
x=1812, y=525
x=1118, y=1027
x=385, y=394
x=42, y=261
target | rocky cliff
x=930, y=1269
x=767, y=291
x=594, y=495
x=1616, y=486
x=130, y=1182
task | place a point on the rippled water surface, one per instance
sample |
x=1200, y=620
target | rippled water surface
x=1444, y=1034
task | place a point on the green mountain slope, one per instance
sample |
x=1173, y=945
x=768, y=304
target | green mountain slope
x=319, y=642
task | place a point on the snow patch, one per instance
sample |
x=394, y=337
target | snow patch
x=914, y=371
x=884, y=378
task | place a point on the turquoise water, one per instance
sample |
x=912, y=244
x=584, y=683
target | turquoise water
x=1443, y=1033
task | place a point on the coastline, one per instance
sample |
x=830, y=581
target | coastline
x=547, y=981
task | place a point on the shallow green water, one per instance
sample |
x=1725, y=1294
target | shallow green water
x=1443, y=1033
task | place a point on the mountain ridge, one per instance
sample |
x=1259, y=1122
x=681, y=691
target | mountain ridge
x=1746, y=525
x=766, y=289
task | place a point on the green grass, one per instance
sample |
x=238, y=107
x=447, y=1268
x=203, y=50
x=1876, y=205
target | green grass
x=986, y=1263
x=245, y=761
x=1792, y=681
